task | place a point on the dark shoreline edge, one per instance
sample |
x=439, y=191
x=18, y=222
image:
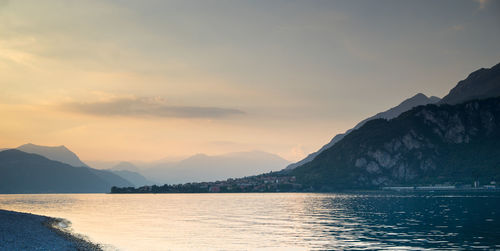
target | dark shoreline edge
x=77, y=241
x=340, y=191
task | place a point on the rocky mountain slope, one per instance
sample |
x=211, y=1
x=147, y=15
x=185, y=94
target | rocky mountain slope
x=418, y=99
x=428, y=144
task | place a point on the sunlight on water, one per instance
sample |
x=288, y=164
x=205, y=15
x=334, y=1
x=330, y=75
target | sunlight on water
x=273, y=221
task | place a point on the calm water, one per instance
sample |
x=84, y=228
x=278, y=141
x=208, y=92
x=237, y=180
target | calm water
x=274, y=221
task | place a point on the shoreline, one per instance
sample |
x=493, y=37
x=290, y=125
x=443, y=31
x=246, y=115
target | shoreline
x=21, y=231
x=378, y=190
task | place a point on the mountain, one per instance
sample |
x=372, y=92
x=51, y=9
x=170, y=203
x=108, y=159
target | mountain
x=125, y=166
x=57, y=153
x=134, y=177
x=131, y=173
x=211, y=168
x=428, y=144
x=112, y=178
x=483, y=83
x=22, y=172
x=64, y=155
x=101, y=165
x=418, y=99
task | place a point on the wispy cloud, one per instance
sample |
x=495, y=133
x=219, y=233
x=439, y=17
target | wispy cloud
x=147, y=107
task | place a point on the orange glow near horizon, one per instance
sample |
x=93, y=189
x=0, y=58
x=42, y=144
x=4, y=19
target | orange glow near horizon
x=128, y=80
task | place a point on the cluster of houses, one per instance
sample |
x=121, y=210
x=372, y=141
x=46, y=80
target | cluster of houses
x=256, y=184
x=260, y=183
x=282, y=183
x=476, y=186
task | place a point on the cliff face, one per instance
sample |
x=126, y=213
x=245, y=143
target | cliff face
x=428, y=144
x=418, y=99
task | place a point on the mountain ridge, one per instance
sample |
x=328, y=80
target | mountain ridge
x=480, y=84
x=64, y=155
x=428, y=144
x=405, y=105
x=23, y=172
x=202, y=167
x=58, y=153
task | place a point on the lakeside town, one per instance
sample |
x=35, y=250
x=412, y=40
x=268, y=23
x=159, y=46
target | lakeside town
x=267, y=183
x=260, y=183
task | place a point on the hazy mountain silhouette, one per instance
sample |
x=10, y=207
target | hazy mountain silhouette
x=134, y=177
x=111, y=177
x=483, y=83
x=131, y=173
x=57, y=153
x=418, y=99
x=22, y=172
x=101, y=164
x=125, y=166
x=202, y=167
x=64, y=155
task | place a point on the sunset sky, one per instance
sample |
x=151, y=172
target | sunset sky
x=146, y=80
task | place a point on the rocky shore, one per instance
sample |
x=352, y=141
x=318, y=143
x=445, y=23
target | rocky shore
x=23, y=231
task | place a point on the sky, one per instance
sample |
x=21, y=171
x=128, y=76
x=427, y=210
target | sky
x=148, y=80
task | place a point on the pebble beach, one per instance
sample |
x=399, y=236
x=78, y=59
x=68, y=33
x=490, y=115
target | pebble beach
x=24, y=231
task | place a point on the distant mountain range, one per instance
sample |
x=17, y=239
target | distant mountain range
x=417, y=100
x=196, y=168
x=125, y=166
x=200, y=167
x=134, y=177
x=447, y=142
x=203, y=167
x=22, y=172
x=64, y=155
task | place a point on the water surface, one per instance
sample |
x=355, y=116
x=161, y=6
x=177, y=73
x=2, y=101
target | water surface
x=286, y=221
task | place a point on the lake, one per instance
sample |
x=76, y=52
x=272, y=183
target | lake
x=274, y=221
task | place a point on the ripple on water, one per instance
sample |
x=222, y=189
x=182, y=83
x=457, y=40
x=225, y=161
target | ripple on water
x=275, y=221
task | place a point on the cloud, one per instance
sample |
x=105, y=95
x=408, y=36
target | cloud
x=482, y=3
x=147, y=107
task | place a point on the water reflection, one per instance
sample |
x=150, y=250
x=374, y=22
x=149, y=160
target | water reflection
x=274, y=221
x=413, y=222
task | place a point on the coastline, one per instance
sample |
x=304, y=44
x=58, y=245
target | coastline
x=25, y=231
